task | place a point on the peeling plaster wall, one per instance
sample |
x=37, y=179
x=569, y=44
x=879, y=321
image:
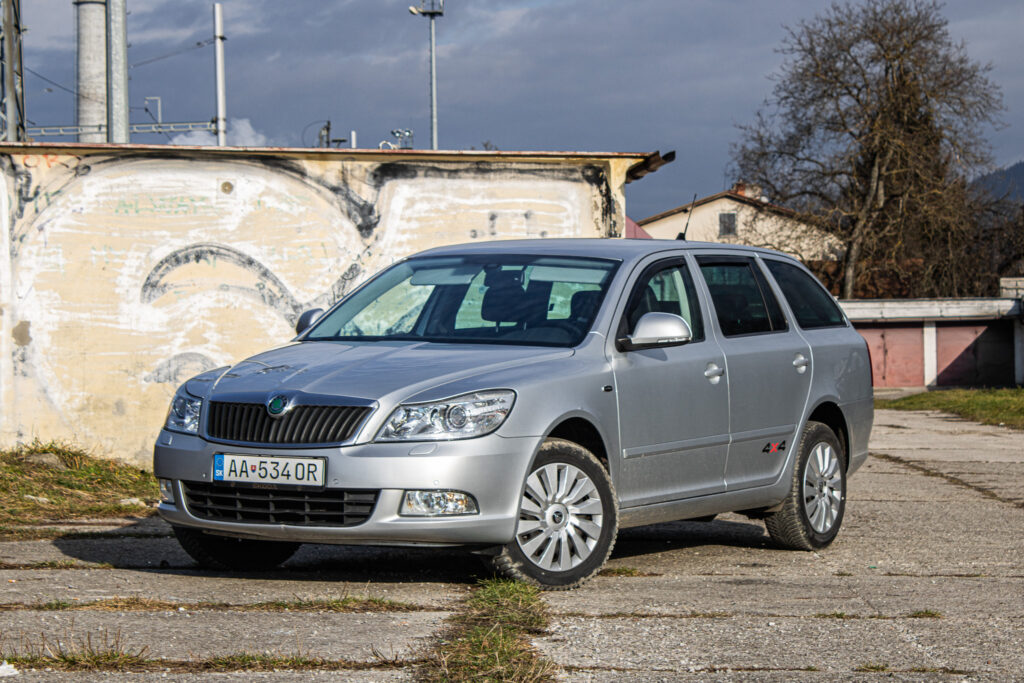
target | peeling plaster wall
x=129, y=270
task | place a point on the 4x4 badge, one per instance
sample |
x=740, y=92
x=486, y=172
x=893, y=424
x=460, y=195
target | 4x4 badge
x=277, y=406
x=774, y=447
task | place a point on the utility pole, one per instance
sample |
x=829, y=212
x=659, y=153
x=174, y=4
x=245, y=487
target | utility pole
x=218, y=36
x=117, y=72
x=12, y=94
x=431, y=9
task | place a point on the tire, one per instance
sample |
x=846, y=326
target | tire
x=812, y=513
x=239, y=554
x=568, y=520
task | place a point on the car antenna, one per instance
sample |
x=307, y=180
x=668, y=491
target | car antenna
x=682, y=235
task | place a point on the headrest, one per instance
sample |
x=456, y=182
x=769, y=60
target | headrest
x=503, y=302
x=583, y=304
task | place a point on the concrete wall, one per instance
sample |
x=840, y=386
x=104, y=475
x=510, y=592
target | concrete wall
x=127, y=270
x=756, y=227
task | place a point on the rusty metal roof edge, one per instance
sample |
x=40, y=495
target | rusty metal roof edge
x=13, y=147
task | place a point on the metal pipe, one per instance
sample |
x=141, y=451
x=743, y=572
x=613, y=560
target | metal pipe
x=14, y=127
x=218, y=35
x=117, y=72
x=433, y=88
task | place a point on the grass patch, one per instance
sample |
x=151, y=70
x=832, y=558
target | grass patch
x=136, y=604
x=988, y=406
x=835, y=615
x=624, y=571
x=56, y=564
x=74, y=486
x=489, y=640
x=872, y=666
x=925, y=614
x=510, y=604
x=44, y=533
x=105, y=651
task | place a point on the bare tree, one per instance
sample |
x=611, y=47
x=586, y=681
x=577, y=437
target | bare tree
x=873, y=125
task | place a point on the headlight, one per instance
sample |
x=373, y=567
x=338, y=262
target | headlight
x=461, y=417
x=184, y=414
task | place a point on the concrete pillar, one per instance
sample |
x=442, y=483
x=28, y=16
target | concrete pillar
x=931, y=354
x=91, y=23
x=117, y=72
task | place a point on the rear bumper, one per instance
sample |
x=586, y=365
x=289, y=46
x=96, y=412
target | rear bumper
x=492, y=469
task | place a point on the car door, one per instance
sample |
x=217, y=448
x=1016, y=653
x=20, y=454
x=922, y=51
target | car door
x=767, y=366
x=673, y=405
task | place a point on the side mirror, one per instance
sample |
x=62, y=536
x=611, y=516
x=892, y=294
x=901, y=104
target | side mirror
x=307, y=318
x=655, y=330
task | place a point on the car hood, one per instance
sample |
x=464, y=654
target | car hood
x=371, y=371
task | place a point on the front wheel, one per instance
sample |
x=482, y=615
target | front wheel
x=568, y=520
x=812, y=513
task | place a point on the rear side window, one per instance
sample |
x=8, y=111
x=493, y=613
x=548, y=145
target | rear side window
x=744, y=303
x=812, y=305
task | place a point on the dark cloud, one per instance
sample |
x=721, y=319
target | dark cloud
x=592, y=75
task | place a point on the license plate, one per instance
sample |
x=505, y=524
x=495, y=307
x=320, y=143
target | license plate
x=260, y=469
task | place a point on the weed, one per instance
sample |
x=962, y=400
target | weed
x=139, y=604
x=925, y=614
x=835, y=615
x=104, y=651
x=511, y=604
x=488, y=653
x=489, y=640
x=871, y=666
x=33, y=492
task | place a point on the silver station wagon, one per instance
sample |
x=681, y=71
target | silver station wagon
x=528, y=399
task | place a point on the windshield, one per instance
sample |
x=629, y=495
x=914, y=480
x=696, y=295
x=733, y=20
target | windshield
x=479, y=299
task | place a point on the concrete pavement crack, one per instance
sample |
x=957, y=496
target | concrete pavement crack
x=956, y=481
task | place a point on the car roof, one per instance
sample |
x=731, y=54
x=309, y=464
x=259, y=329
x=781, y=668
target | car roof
x=621, y=249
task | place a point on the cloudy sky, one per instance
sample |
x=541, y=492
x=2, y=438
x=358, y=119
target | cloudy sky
x=588, y=75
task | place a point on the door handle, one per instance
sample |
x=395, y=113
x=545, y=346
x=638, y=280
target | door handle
x=714, y=373
x=801, y=362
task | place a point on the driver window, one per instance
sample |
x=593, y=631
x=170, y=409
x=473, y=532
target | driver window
x=667, y=289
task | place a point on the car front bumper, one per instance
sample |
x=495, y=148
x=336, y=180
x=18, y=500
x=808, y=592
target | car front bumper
x=491, y=468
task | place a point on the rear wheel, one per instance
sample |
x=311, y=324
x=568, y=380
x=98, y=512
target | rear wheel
x=568, y=519
x=812, y=513
x=241, y=554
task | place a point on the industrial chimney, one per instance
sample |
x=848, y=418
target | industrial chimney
x=91, y=23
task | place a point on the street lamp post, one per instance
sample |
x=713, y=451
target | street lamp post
x=431, y=9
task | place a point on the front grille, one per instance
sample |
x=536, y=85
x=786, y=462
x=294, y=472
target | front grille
x=322, y=507
x=250, y=423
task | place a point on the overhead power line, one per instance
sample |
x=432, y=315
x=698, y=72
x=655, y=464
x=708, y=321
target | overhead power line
x=199, y=44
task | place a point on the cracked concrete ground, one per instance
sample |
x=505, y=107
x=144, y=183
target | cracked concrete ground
x=924, y=583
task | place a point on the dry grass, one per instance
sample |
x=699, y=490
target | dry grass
x=36, y=493
x=624, y=571
x=103, y=651
x=489, y=640
x=348, y=604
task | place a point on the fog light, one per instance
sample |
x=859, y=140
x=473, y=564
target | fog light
x=166, y=491
x=435, y=503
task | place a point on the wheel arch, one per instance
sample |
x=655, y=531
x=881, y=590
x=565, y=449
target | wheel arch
x=831, y=415
x=583, y=432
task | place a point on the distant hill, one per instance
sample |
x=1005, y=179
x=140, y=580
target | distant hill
x=1008, y=181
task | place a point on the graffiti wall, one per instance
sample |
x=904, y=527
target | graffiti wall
x=126, y=271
